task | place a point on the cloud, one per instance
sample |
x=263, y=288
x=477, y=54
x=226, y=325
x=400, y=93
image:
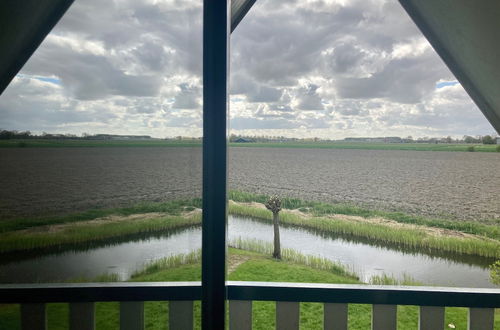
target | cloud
x=239, y=123
x=308, y=98
x=329, y=68
x=188, y=97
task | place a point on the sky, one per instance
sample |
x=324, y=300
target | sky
x=299, y=68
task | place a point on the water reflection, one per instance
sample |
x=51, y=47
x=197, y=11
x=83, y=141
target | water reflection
x=125, y=255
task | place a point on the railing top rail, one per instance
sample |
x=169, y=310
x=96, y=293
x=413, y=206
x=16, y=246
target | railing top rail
x=88, y=292
x=365, y=294
x=269, y=291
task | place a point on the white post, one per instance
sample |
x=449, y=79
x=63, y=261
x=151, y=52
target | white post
x=287, y=315
x=384, y=317
x=81, y=316
x=335, y=316
x=180, y=315
x=132, y=315
x=240, y=315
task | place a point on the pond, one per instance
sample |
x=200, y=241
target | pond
x=125, y=257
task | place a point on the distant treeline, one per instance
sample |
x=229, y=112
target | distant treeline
x=24, y=135
x=486, y=139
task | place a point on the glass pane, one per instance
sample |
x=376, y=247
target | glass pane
x=345, y=112
x=101, y=148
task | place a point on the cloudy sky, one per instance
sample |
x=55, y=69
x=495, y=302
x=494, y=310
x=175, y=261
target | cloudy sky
x=303, y=68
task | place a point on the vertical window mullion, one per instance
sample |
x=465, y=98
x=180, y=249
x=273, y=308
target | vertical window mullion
x=216, y=31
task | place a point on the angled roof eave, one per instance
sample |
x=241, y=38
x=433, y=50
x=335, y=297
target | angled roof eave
x=465, y=34
x=25, y=24
x=239, y=8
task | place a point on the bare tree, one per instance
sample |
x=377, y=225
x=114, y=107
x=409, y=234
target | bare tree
x=274, y=205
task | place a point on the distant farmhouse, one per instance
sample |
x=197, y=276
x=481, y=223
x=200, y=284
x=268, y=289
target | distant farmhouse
x=498, y=139
x=243, y=140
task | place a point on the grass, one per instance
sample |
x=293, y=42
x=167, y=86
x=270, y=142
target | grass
x=258, y=267
x=169, y=263
x=106, y=277
x=372, y=146
x=293, y=256
x=17, y=241
x=41, y=236
x=385, y=279
x=489, y=228
x=15, y=237
x=382, y=234
x=46, y=143
x=175, y=207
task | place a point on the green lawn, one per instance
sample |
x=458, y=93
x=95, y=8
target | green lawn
x=257, y=267
x=46, y=143
x=373, y=146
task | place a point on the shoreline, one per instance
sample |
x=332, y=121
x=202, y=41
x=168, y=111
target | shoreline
x=408, y=232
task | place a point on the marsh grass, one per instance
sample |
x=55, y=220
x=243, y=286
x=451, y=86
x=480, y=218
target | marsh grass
x=68, y=143
x=78, y=143
x=369, y=146
x=169, y=262
x=385, y=279
x=294, y=256
x=410, y=238
x=490, y=228
x=106, y=277
x=86, y=233
x=175, y=207
x=13, y=237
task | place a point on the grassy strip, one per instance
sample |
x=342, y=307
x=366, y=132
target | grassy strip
x=294, y=256
x=46, y=143
x=411, y=238
x=491, y=230
x=257, y=268
x=106, y=277
x=14, y=240
x=372, y=146
x=385, y=279
x=80, y=233
x=169, y=262
x=175, y=207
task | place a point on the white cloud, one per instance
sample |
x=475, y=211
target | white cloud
x=327, y=68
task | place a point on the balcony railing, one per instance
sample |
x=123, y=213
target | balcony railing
x=384, y=301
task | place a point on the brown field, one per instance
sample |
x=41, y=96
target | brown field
x=37, y=181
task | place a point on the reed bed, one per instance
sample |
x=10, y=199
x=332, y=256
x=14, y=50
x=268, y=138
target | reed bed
x=294, y=256
x=175, y=207
x=489, y=229
x=17, y=241
x=169, y=262
x=411, y=238
x=106, y=277
x=385, y=279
